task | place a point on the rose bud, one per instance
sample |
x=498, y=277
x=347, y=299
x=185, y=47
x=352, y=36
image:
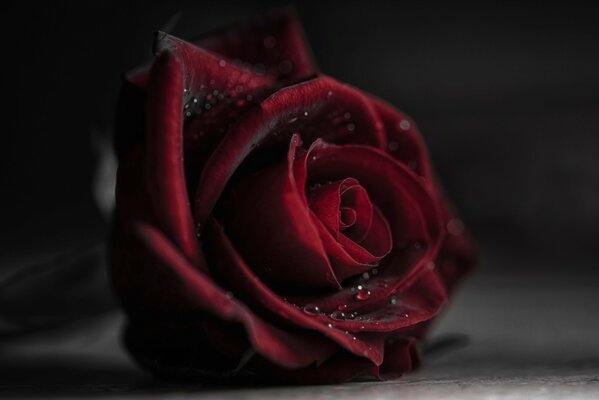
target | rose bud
x=271, y=221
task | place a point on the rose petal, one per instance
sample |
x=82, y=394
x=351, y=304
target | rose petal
x=311, y=108
x=235, y=271
x=273, y=44
x=403, y=138
x=271, y=225
x=176, y=277
x=164, y=164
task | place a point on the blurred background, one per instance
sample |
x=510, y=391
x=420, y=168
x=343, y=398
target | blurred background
x=506, y=95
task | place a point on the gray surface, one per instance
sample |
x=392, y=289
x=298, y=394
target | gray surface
x=531, y=334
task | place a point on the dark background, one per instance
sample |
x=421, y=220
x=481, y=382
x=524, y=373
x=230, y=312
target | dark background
x=506, y=95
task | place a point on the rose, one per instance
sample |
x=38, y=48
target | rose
x=271, y=220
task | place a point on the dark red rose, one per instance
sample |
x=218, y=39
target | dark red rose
x=271, y=221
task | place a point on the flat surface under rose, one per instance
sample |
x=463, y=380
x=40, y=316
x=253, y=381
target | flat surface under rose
x=521, y=334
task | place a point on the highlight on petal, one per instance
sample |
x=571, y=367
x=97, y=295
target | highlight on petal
x=272, y=44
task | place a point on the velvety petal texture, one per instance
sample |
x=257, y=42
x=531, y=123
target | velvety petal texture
x=272, y=222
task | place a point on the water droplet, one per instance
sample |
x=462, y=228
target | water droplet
x=362, y=327
x=330, y=93
x=455, y=227
x=311, y=309
x=404, y=315
x=404, y=125
x=366, y=276
x=354, y=338
x=195, y=100
x=305, y=113
x=351, y=127
x=188, y=114
x=270, y=42
x=352, y=289
x=393, y=300
x=342, y=307
x=330, y=325
x=185, y=90
x=207, y=106
x=337, y=315
x=362, y=294
x=374, y=271
x=222, y=63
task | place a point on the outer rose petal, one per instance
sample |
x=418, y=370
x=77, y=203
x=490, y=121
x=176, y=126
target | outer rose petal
x=273, y=43
x=169, y=279
x=164, y=151
x=457, y=255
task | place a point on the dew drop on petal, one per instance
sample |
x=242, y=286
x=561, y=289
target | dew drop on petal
x=337, y=315
x=393, y=300
x=374, y=271
x=342, y=307
x=404, y=125
x=311, y=309
x=330, y=325
x=330, y=93
x=362, y=294
x=365, y=276
x=404, y=315
x=222, y=63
